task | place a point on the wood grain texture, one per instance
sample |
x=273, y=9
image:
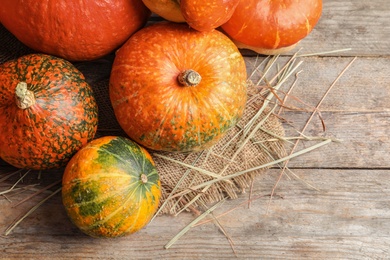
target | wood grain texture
x=356, y=111
x=348, y=217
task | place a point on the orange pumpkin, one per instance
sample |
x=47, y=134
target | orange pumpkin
x=207, y=15
x=176, y=89
x=200, y=15
x=47, y=111
x=272, y=27
x=74, y=30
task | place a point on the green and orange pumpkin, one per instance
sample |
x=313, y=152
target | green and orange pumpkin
x=177, y=89
x=111, y=187
x=47, y=112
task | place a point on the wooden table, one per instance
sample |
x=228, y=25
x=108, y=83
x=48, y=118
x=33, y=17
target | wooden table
x=347, y=217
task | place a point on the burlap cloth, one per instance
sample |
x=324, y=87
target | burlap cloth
x=178, y=182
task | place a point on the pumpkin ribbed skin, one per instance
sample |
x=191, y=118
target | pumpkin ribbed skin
x=111, y=187
x=62, y=119
x=272, y=25
x=200, y=15
x=74, y=30
x=207, y=15
x=155, y=109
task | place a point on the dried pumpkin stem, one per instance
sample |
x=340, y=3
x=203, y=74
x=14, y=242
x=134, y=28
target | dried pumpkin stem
x=144, y=178
x=24, y=98
x=189, y=78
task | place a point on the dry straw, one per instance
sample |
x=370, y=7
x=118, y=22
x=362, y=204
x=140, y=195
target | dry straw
x=198, y=193
x=255, y=144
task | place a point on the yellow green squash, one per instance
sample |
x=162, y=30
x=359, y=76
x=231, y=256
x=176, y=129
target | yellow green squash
x=111, y=187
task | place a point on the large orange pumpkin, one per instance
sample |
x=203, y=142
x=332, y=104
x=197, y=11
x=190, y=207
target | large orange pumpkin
x=74, y=30
x=47, y=111
x=177, y=89
x=272, y=27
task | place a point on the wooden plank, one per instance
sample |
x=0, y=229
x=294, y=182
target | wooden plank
x=356, y=111
x=363, y=88
x=348, y=218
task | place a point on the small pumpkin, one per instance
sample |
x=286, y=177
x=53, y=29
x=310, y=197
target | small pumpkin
x=272, y=27
x=111, y=187
x=173, y=88
x=47, y=111
x=200, y=15
x=74, y=30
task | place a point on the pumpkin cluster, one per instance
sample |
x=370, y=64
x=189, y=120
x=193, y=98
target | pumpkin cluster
x=263, y=26
x=177, y=85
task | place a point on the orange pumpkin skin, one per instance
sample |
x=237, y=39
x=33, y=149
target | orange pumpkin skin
x=167, y=9
x=200, y=15
x=111, y=187
x=271, y=27
x=158, y=111
x=63, y=115
x=74, y=30
x=207, y=15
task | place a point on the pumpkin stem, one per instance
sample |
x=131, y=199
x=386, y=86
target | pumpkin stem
x=189, y=78
x=24, y=98
x=144, y=178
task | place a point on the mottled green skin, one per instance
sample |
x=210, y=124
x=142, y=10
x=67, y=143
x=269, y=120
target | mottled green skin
x=103, y=192
x=63, y=118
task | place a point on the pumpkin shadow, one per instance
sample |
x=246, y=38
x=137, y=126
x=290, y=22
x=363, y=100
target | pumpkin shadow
x=10, y=47
x=97, y=74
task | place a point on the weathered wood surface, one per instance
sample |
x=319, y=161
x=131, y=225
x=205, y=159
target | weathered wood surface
x=356, y=111
x=348, y=217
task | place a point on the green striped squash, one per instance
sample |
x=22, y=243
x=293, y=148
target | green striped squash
x=111, y=187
